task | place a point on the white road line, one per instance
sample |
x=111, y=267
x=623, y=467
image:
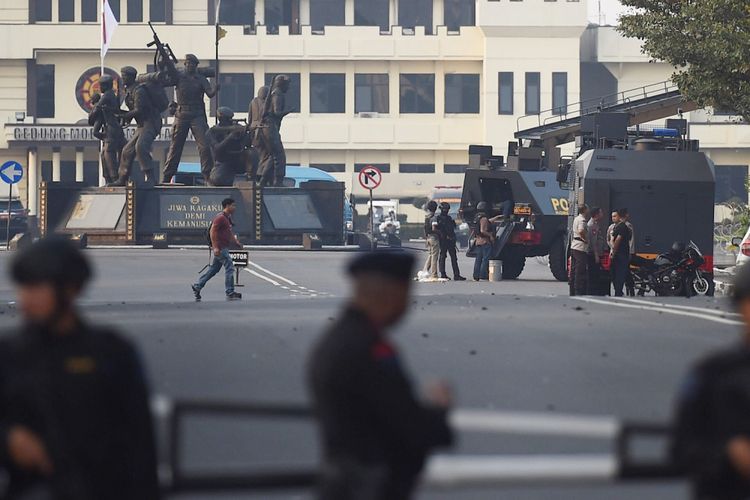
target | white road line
x=690, y=314
x=277, y=276
x=274, y=283
x=716, y=312
x=506, y=422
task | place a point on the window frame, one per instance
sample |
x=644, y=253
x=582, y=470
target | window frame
x=371, y=85
x=416, y=168
x=500, y=93
x=332, y=80
x=385, y=168
x=237, y=105
x=538, y=94
x=403, y=98
x=42, y=93
x=233, y=18
x=384, y=28
x=559, y=108
x=330, y=6
x=463, y=80
x=68, y=6
x=132, y=8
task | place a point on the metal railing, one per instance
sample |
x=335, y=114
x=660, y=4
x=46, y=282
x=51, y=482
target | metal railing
x=557, y=115
x=442, y=471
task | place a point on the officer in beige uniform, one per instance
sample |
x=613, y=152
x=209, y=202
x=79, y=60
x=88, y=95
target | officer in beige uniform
x=579, y=247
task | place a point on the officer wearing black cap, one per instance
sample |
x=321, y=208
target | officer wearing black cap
x=446, y=227
x=711, y=436
x=376, y=433
x=74, y=415
x=191, y=87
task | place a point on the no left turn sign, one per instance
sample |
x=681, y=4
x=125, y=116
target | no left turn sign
x=370, y=177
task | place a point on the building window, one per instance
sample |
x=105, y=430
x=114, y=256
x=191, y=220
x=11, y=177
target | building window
x=417, y=93
x=327, y=92
x=731, y=184
x=236, y=91
x=66, y=11
x=135, y=11
x=371, y=93
x=454, y=168
x=43, y=10
x=372, y=13
x=462, y=93
x=45, y=90
x=505, y=93
x=89, y=10
x=237, y=12
x=282, y=13
x=326, y=13
x=415, y=13
x=293, y=95
x=459, y=13
x=559, y=93
x=416, y=168
x=115, y=6
x=157, y=11
x=330, y=167
x=384, y=168
x=532, y=94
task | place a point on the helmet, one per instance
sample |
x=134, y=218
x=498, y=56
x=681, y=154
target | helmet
x=678, y=247
x=432, y=205
x=483, y=206
x=191, y=58
x=53, y=260
x=445, y=206
x=128, y=70
x=106, y=82
x=225, y=112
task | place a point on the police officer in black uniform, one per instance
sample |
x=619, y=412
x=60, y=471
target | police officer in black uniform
x=74, y=414
x=376, y=433
x=711, y=440
x=447, y=239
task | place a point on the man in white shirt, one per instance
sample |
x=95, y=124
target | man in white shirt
x=579, y=247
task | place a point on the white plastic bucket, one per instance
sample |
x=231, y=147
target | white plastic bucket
x=496, y=270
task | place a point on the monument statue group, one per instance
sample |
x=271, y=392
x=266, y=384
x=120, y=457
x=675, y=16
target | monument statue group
x=226, y=150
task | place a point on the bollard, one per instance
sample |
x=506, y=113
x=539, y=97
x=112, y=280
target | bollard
x=496, y=270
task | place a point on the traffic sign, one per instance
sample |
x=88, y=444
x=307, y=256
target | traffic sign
x=370, y=177
x=11, y=172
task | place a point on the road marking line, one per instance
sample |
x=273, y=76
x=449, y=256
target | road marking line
x=277, y=276
x=677, y=306
x=274, y=283
x=657, y=309
x=507, y=422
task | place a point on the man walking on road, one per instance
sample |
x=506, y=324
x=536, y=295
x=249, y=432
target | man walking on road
x=579, y=247
x=620, y=254
x=75, y=422
x=711, y=432
x=222, y=239
x=376, y=433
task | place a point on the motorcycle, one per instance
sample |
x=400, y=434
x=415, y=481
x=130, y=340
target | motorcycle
x=675, y=273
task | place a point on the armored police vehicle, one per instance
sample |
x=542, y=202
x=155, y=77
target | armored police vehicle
x=538, y=204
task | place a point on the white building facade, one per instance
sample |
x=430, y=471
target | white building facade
x=405, y=85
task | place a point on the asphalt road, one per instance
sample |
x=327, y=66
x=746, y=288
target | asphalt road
x=515, y=345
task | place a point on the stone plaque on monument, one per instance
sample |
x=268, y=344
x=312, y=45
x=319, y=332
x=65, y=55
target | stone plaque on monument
x=188, y=211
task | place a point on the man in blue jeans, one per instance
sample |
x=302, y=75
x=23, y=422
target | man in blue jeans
x=222, y=238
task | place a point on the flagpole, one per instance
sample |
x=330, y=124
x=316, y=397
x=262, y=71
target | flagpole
x=101, y=74
x=216, y=59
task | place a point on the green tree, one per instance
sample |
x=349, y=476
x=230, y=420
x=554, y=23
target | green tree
x=707, y=42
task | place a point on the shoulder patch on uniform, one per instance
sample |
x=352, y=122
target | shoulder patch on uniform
x=382, y=351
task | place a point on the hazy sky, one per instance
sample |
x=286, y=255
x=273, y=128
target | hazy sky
x=610, y=10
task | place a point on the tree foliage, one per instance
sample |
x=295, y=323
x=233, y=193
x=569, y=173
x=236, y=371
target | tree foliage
x=707, y=42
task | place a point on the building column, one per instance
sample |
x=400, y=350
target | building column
x=438, y=13
x=392, y=14
x=260, y=12
x=349, y=12
x=33, y=189
x=56, y=164
x=79, y=164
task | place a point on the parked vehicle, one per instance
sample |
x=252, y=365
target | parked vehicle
x=675, y=273
x=743, y=256
x=17, y=214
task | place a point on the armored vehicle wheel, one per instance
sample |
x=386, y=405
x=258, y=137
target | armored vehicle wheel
x=557, y=261
x=513, y=263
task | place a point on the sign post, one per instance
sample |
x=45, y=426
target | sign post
x=369, y=178
x=10, y=172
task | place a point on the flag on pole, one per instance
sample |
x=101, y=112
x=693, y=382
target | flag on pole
x=109, y=25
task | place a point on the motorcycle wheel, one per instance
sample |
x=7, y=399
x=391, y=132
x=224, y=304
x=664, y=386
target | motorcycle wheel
x=701, y=285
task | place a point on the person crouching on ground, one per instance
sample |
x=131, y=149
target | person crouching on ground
x=222, y=239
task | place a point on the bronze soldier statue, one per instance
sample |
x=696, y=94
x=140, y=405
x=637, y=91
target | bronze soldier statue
x=105, y=120
x=255, y=122
x=191, y=86
x=147, y=116
x=273, y=156
x=230, y=143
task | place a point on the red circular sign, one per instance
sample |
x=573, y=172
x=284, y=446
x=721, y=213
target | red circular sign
x=370, y=177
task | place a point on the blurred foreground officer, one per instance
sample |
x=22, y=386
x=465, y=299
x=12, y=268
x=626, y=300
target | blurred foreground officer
x=74, y=414
x=376, y=433
x=712, y=428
